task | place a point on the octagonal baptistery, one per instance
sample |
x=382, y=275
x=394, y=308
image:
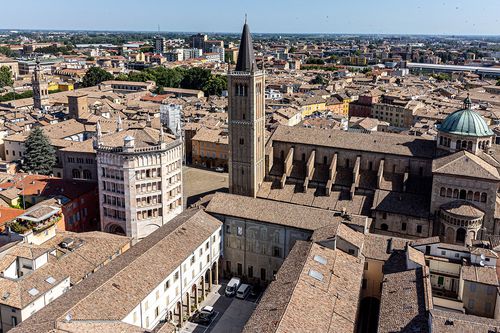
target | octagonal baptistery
x=460, y=222
x=465, y=129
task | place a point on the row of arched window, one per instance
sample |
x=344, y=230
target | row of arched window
x=241, y=89
x=78, y=175
x=463, y=194
x=443, y=141
x=460, y=222
x=463, y=144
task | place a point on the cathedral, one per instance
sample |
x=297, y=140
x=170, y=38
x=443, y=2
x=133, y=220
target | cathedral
x=409, y=186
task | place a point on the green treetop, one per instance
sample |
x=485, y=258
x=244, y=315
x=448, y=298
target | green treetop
x=40, y=156
x=94, y=76
x=5, y=77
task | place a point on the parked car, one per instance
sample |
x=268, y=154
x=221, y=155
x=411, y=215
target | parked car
x=243, y=291
x=203, y=316
x=255, y=291
x=232, y=287
x=219, y=169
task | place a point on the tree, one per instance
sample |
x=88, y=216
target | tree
x=141, y=76
x=498, y=82
x=319, y=79
x=215, y=85
x=195, y=78
x=94, y=76
x=40, y=156
x=315, y=61
x=6, y=51
x=5, y=77
x=121, y=77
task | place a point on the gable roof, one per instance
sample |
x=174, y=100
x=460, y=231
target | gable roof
x=465, y=164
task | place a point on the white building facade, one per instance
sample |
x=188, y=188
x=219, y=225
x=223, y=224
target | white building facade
x=140, y=183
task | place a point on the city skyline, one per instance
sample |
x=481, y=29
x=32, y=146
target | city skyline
x=424, y=17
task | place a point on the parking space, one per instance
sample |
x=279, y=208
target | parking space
x=231, y=313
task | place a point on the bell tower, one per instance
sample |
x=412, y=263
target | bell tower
x=246, y=84
x=40, y=87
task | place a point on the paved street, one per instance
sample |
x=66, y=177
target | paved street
x=232, y=314
x=199, y=182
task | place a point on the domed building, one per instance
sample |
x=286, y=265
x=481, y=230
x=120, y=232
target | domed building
x=465, y=182
x=465, y=129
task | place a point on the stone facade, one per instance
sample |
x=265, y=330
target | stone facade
x=140, y=187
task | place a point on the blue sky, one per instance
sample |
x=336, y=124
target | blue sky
x=470, y=17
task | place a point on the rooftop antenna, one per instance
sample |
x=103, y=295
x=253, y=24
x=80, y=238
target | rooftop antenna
x=158, y=28
x=245, y=18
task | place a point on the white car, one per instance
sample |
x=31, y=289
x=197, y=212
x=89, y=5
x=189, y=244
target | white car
x=243, y=291
x=232, y=287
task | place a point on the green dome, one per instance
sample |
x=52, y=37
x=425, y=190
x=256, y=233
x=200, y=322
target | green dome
x=465, y=122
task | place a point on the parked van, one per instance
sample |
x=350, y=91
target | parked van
x=243, y=291
x=232, y=286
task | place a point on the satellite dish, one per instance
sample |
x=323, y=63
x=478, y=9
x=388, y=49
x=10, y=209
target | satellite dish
x=481, y=263
x=482, y=256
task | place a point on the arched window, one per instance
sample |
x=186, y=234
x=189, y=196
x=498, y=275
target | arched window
x=442, y=192
x=441, y=140
x=448, y=193
x=476, y=196
x=303, y=157
x=87, y=174
x=464, y=144
x=483, y=197
x=459, y=144
x=469, y=145
x=384, y=227
x=325, y=160
x=460, y=238
x=455, y=193
x=470, y=195
x=463, y=194
x=76, y=173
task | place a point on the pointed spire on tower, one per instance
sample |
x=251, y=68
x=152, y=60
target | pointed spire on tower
x=246, y=57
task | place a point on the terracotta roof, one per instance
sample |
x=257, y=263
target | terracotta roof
x=275, y=212
x=465, y=164
x=402, y=203
x=316, y=290
x=462, y=208
x=485, y=275
x=386, y=143
x=153, y=258
x=451, y=322
x=403, y=306
x=94, y=249
x=8, y=214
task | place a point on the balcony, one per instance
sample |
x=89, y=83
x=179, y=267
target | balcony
x=36, y=220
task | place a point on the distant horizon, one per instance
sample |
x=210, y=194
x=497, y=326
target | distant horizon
x=239, y=32
x=389, y=17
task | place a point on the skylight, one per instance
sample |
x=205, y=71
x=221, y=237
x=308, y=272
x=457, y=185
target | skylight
x=50, y=280
x=33, y=292
x=320, y=259
x=316, y=275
